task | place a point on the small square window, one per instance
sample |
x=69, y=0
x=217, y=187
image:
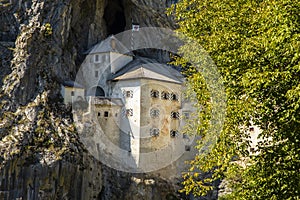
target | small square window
x=99, y=114
x=187, y=148
x=96, y=74
x=72, y=93
x=251, y=129
x=106, y=114
x=154, y=132
x=129, y=93
x=154, y=93
x=165, y=95
x=252, y=150
x=175, y=115
x=129, y=112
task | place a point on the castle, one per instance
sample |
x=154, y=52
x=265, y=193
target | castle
x=137, y=102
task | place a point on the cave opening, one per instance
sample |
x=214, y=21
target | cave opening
x=114, y=17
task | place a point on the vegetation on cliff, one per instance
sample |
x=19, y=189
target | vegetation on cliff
x=255, y=45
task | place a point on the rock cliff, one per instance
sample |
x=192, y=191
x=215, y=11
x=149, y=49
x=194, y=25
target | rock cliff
x=42, y=43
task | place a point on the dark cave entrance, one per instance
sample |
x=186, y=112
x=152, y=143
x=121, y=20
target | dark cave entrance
x=114, y=17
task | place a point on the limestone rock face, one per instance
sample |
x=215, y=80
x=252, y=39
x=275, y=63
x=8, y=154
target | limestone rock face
x=42, y=43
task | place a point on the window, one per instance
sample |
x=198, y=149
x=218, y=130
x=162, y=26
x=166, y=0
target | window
x=129, y=112
x=251, y=129
x=99, y=114
x=187, y=148
x=97, y=58
x=154, y=132
x=165, y=95
x=154, y=112
x=174, y=97
x=173, y=133
x=129, y=93
x=175, y=115
x=106, y=114
x=154, y=94
x=72, y=93
x=96, y=74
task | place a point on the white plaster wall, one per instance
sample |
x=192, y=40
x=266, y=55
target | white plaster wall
x=130, y=124
x=66, y=93
x=88, y=68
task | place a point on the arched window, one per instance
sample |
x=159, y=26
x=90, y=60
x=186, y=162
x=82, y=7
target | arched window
x=154, y=93
x=173, y=133
x=174, y=97
x=165, y=95
x=175, y=115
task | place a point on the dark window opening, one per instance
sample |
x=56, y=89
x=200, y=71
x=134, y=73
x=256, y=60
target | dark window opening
x=165, y=95
x=173, y=133
x=96, y=91
x=97, y=58
x=129, y=94
x=174, y=97
x=99, y=114
x=175, y=115
x=72, y=93
x=114, y=17
x=129, y=112
x=251, y=129
x=106, y=114
x=187, y=148
x=96, y=74
x=154, y=94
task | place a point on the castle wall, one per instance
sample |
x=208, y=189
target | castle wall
x=163, y=122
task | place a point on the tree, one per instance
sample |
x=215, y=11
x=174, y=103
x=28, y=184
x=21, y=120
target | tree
x=256, y=47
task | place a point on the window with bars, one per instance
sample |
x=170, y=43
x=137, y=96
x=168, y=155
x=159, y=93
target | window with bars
x=129, y=93
x=174, y=133
x=175, y=115
x=154, y=93
x=174, y=97
x=154, y=132
x=129, y=112
x=165, y=95
x=154, y=112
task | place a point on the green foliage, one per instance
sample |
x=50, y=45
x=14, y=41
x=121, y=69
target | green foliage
x=48, y=29
x=256, y=46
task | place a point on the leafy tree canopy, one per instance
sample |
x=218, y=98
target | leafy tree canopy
x=256, y=47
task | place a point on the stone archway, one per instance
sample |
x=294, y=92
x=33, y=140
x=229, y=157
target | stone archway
x=96, y=91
